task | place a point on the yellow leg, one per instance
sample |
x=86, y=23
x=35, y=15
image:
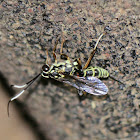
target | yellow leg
x=54, y=49
x=79, y=63
x=48, y=60
x=82, y=93
x=62, y=55
x=54, y=55
x=93, y=52
x=55, y=45
x=62, y=44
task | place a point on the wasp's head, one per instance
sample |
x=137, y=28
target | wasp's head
x=45, y=69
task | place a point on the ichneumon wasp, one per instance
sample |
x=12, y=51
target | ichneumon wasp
x=85, y=79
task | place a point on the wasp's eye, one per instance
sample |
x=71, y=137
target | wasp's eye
x=45, y=68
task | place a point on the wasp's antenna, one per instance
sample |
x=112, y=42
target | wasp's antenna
x=99, y=40
x=25, y=86
x=93, y=52
x=116, y=80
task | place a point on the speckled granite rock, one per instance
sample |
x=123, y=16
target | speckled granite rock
x=28, y=27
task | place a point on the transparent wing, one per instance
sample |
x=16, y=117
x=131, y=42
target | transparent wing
x=91, y=85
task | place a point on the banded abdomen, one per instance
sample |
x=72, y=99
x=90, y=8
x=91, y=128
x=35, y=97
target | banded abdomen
x=96, y=72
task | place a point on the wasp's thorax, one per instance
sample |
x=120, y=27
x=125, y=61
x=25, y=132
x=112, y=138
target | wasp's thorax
x=60, y=69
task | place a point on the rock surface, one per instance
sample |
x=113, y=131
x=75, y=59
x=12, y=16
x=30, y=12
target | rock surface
x=29, y=27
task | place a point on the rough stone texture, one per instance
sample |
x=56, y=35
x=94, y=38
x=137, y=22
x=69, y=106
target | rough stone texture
x=30, y=26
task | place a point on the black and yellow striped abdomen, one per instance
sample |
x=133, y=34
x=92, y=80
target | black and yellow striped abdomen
x=96, y=72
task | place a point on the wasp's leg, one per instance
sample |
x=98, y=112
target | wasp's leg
x=81, y=93
x=54, y=49
x=62, y=41
x=54, y=56
x=48, y=60
x=84, y=93
x=62, y=44
x=79, y=63
x=62, y=55
x=93, y=52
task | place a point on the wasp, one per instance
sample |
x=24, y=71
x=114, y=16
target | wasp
x=85, y=79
